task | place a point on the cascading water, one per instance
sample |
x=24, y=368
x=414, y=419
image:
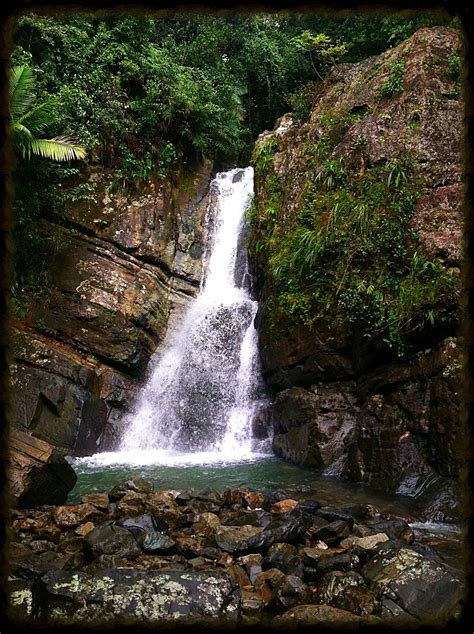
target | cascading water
x=205, y=387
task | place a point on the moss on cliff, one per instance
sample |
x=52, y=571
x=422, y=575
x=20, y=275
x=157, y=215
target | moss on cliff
x=332, y=221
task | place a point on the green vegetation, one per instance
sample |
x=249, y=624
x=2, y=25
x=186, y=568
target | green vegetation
x=149, y=98
x=28, y=121
x=349, y=255
x=394, y=83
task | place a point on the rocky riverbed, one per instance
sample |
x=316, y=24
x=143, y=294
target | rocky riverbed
x=136, y=556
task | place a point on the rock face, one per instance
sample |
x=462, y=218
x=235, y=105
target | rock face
x=124, y=266
x=103, y=567
x=38, y=473
x=343, y=400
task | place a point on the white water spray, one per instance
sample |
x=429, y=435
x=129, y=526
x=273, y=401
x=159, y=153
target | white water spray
x=206, y=385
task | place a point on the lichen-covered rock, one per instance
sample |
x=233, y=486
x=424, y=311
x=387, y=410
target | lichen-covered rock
x=423, y=588
x=134, y=597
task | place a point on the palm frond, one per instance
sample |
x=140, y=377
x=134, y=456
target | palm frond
x=23, y=138
x=38, y=118
x=21, y=93
x=61, y=148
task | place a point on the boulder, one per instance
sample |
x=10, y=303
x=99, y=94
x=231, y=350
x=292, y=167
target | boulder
x=229, y=538
x=66, y=517
x=122, y=597
x=111, y=540
x=424, y=588
x=38, y=472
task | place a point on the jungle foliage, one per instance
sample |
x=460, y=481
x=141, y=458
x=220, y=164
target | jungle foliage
x=149, y=96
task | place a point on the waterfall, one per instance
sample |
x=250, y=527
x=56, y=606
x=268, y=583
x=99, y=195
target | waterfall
x=205, y=385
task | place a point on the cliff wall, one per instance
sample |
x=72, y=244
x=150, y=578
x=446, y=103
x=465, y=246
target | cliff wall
x=124, y=265
x=357, y=242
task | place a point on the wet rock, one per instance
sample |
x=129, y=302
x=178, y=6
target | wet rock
x=333, y=514
x=283, y=506
x=286, y=562
x=289, y=593
x=22, y=603
x=17, y=551
x=252, y=604
x=271, y=496
x=257, y=517
x=281, y=547
x=424, y=588
x=309, y=506
x=346, y=591
x=154, y=543
x=229, y=538
x=254, y=500
x=66, y=517
x=111, y=540
x=343, y=562
x=136, y=597
x=333, y=533
x=240, y=576
x=267, y=583
x=394, y=528
x=38, y=472
x=190, y=546
x=368, y=543
x=262, y=424
x=207, y=523
x=37, y=564
x=143, y=523
x=253, y=565
x=131, y=504
x=138, y=485
x=323, y=616
x=288, y=528
x=39, y=546
x=97, y=499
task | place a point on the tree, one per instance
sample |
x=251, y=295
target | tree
x=29, y=121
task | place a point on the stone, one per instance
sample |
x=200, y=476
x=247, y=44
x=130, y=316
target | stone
x=423, y=588
x=155, y=543
x=131, y=504
x=287, y=528
x=138, y=598
x=84, y=529
x=143, y=523
x=322, y=616
x=108, y=539
x=267, y=582
x=40, y=546
x=97, y=499
x=368, y=542
x=252, y=604
x=38, y=472
x=228, y=538
x=283, y=506
x=332, y=514
x=395, y=529
x=290, y=592
x=282, y=547
x=254, y=499
x=240, y=576
x=346, y=591
x=66, y=517
x=138, y=485
x=334, y=532
x=286, y=562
